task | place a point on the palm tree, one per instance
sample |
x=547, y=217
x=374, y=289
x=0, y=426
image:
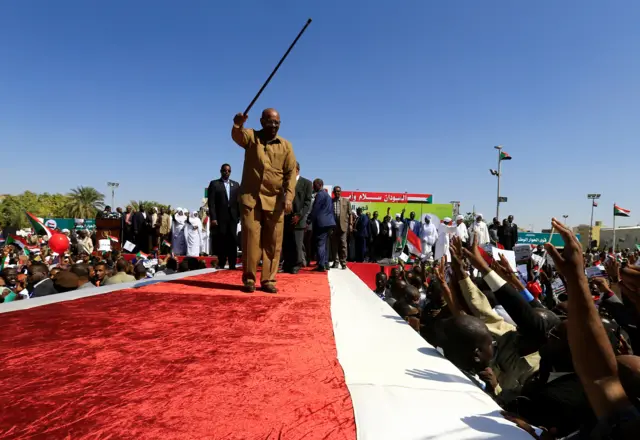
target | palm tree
x=84, y=202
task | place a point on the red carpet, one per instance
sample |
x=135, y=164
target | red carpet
x=187, y=359
x=366, y=272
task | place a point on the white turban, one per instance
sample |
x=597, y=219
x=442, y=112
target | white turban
x=479, y=216
x=447, y=219
x=460, y=217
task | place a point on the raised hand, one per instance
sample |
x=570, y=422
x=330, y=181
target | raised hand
x=476, y=258
x=570, y=262
x=240, y=119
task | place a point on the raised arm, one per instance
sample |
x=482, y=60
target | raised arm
x=239, y=134
x=591, y=351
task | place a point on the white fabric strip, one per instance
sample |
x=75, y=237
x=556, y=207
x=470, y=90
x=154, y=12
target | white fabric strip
x=401, y=387
x=82, y=293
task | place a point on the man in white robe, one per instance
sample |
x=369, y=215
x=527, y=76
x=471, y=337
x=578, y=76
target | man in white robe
x=428, y=236
x=193, y=235
x=479, y=228
x=461, y=230
x=445, y=230
x=178, y=240
x=205, y=234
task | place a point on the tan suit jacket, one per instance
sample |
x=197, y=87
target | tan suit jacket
x=344, y=220
x=269, y=171
x=119, y=278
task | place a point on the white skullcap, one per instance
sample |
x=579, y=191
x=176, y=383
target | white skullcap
x=397, y=215
x=447, y=219
x=428, y=217
x=460, y=217
x=65, y=230
x=479, y=215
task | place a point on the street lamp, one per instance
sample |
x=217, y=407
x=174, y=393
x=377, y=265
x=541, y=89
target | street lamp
x=593, y=198
x=565, y=216
x=113, y=186
x=498, y=173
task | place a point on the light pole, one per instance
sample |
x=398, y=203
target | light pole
x=498, y=173
x=593, y=198
x=113, y=186
x=565, y=216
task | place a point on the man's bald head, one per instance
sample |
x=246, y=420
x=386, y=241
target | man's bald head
x=270, y=113
x=270, y=121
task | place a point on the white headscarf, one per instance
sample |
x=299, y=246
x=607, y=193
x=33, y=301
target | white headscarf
x=195, y=221
x=180, y=218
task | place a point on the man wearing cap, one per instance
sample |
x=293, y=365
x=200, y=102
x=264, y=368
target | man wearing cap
x=461, y=230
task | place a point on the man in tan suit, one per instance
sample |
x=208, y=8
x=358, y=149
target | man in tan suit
x=266, y=194
x=342, y=211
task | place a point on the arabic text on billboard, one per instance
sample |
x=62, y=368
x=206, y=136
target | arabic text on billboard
x=536, y=238
x=386, y=197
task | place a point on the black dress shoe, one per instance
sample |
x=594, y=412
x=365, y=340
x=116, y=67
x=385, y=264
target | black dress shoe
x=319, y=269
x=269, y=288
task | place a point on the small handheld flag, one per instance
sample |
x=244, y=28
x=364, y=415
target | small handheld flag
x=115, y=239
x=142, y=255
x=166, y=243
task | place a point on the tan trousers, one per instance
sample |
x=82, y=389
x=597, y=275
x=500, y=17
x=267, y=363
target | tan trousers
x=339, y=246
x=261, y=238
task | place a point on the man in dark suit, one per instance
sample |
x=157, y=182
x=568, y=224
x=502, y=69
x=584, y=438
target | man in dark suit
x=375, y=229
x=141, y=232
x=323, y=221
x=295, y=223
x=224, y=211
x=38, y=281
x=361, y=229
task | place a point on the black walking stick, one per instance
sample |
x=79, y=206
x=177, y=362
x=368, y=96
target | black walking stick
x=253, y=101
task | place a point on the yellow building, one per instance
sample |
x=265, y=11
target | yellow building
x=583, y=230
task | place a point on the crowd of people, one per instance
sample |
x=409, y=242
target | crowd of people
x=554, y=347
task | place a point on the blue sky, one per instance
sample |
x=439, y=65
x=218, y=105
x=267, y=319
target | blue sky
x=378, y=96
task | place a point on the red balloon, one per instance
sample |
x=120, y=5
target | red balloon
x=59, y=243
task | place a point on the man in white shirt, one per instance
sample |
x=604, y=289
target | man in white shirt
x=461, y=230
x=428, y=236
x=479, y=228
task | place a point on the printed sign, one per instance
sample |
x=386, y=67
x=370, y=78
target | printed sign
x=537, y=238
x=523, y=252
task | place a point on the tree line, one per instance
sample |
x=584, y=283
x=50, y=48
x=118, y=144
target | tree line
x=80, y=202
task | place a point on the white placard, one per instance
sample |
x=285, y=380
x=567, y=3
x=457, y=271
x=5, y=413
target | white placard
x=522, y=271
x=509, y=255
x=537, y=260
x=595, y=271
x=523, y=252
x=104, y=245
x=150, y=263
x=128, y=246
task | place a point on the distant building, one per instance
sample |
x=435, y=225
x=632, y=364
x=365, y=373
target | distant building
x=626, y=236
x=583, y=230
